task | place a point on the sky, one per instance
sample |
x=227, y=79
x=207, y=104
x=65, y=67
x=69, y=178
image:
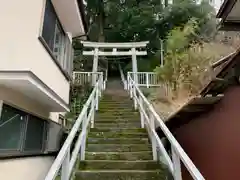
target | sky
x=218, y=4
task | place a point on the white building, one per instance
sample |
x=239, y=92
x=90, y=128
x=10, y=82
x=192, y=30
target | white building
x=36, y=59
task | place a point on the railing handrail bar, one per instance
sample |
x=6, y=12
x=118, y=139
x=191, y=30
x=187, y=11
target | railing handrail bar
x=52, y=173
x=86, y=72
x=9, y=120
x=177, y=147
x=122, y=76
x=141, y=72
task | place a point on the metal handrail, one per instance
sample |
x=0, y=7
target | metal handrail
x=83, y=78
x=146, y=79
x=124, y=81
x=149, y=118
x=66, y=160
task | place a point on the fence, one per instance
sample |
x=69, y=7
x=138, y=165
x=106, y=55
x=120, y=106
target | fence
x=146, y=79
x=149, y=120
x=66, y=160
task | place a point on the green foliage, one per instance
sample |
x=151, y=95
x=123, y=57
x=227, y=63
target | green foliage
x=79, y=96
x=186, y=62
x=131, y=20
x=180, y=37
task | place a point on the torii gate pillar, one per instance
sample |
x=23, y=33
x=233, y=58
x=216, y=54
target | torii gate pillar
x=95, y=66
x=134, y=65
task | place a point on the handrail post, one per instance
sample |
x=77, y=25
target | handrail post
x=141, y=113
x=128, y=80
x=74, y=74
x=102, y=83
x=135, y=97
x=84, y=131
x=147, y=79
x=65, y=166
x=100, y=88
x=131, y=89
x=125, y=85
x=153, y=139
x=176, y=165
x=93, y=113
x=96, y=99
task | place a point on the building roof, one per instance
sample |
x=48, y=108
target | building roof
x=83, y=15
x=229, y=14
x=226, y=7
x=218, y=85
x=192, y=109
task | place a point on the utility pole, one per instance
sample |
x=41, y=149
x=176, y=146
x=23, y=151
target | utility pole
x=164, y=43
x=161, y=51
x=163, y=46
x=165, y=3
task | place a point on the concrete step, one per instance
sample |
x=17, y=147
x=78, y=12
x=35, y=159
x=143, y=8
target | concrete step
x=119, y=165
x=116, y=102
x=121, y=175
x=117, y=134
x=114, y=106
x=117, y=120
x=130, y=156
x=117, y=109
x=118, y=117
x=118, y=147
x=118, y=141
x=118, y=114
x=122, y=130
x=118, y=124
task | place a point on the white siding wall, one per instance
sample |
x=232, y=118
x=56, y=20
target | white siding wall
x=20, y=49
x=33, y=168
x=24, y=103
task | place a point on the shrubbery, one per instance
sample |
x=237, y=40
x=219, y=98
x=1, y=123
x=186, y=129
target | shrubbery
x=187, y=63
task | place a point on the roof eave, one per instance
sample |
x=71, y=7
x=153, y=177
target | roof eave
x=83, y=15
x=225, y=9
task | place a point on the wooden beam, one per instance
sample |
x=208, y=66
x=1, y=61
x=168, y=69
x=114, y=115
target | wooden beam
x=115, y=45
x=115, y=53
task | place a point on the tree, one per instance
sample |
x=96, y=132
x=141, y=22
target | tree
x=188, y=62
x=140, y=20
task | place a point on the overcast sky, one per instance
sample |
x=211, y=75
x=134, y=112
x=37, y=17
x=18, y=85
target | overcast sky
x=218, y=3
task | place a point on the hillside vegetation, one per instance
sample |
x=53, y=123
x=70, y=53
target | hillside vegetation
x=187, y=67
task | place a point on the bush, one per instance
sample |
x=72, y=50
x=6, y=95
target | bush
x=188, y=64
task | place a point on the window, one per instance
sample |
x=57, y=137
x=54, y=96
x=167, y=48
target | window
x=61, y=120
x=23, y=133
x=58, y=43
x=35, y=134
x=49, y=24
x=56, y=40
x=11, y=126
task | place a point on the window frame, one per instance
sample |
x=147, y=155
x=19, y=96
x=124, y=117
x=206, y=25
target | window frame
x=63, y=58
x=21, y=151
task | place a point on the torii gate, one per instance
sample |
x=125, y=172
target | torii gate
x=132, y=46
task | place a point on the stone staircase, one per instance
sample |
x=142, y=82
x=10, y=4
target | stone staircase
x=118, y=148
